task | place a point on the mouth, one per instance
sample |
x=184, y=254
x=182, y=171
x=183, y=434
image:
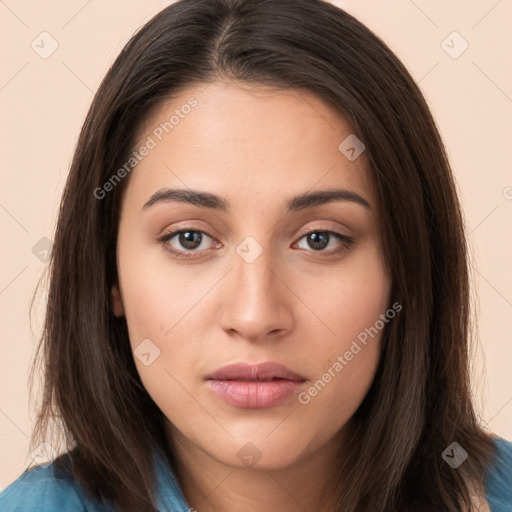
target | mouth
x=254, y=386
x=262, y=372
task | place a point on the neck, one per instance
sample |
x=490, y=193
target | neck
x=212, y=486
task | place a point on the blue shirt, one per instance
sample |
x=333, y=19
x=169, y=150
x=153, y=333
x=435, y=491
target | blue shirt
x=39, y=490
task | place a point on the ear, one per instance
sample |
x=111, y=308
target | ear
x=116, y=302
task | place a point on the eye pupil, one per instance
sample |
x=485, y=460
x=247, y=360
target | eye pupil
x=190, y=239
x=318, y=240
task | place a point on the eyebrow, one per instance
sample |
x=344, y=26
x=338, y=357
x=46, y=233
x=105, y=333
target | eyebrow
x=214, y=202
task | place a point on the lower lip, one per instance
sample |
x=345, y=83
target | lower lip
x=254, y=394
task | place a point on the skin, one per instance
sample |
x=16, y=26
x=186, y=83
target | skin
x=293, y=304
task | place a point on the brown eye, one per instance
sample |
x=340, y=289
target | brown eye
x=187, y=240
x=318, y=240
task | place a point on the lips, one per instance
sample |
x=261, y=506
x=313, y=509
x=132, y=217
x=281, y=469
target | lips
x=262, y=372
x=254, y=386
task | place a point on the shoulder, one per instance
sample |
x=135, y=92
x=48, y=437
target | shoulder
x=498, y=481
x=40, y=488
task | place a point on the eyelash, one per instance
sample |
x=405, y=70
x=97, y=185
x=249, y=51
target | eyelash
x=347, y=241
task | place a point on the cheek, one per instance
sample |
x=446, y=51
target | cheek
x=353, y=310
x=161, y=309
x=348, y=298
x=156, y=295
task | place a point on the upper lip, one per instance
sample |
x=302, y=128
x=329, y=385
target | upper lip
x=256, y=372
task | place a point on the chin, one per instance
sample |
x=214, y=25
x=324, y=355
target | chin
x=261, y=451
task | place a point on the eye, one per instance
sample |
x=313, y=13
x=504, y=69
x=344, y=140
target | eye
x=189, y=239
x=318, y=240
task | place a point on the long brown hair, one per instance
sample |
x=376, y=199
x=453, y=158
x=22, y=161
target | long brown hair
x=420, y=401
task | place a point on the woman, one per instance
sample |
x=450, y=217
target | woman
x=259, y=289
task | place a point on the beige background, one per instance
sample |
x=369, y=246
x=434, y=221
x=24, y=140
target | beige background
x=43, y=102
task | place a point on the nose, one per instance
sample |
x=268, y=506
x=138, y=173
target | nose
x=257, y=302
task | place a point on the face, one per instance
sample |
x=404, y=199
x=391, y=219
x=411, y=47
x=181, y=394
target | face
x=246, y=274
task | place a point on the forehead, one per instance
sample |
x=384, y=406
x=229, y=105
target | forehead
x=247, y=142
